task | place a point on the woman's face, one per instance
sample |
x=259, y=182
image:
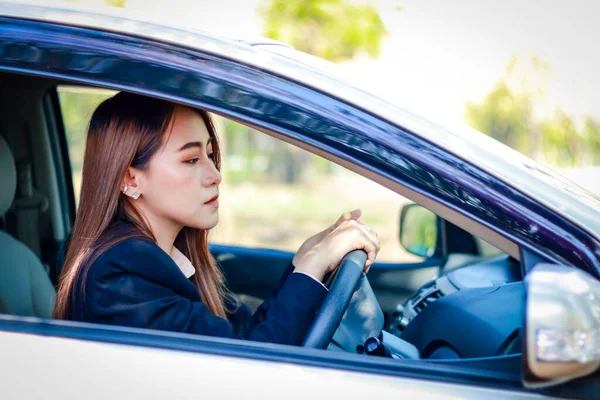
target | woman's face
x=180, y=187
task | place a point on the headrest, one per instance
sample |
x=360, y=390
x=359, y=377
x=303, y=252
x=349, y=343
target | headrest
x=8, y=177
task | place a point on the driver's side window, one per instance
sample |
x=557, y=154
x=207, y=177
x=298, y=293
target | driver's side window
x=275, y=195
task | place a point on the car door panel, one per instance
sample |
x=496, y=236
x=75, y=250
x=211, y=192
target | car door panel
x=252, y=272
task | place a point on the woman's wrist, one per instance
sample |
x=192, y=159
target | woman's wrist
x=307, y=266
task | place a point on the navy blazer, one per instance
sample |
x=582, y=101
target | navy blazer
x=135, y=283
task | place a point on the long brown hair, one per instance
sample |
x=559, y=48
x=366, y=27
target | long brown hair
x=127, y=130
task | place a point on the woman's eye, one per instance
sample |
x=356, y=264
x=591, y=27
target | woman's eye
x=211, y=156
x=192, y=161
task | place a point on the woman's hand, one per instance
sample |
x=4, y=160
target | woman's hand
x=311, y=241
x=323, y=252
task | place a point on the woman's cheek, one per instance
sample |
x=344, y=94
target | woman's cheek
x=176, y=177
x=172, y=190
x=186, y=185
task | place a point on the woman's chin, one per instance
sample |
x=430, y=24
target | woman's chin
x=206, y=223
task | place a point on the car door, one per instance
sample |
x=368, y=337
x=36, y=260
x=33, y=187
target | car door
x=104, y=362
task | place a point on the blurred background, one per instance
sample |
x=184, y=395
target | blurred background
x=524, y=73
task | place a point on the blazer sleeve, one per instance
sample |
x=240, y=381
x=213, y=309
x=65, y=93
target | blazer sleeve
x=139, y=285
x=241, y=316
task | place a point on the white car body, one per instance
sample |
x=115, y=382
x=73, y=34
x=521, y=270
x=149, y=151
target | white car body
x=82, y=369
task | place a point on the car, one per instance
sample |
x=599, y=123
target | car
x=519, y=321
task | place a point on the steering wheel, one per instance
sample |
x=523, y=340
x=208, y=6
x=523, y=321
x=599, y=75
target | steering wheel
x=334, y=306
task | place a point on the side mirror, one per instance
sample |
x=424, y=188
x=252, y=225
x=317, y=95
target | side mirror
x=562, y=325
x=419, y=230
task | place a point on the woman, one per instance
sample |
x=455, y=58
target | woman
x=138, y=254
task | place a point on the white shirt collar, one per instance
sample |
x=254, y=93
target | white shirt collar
x=182, y=262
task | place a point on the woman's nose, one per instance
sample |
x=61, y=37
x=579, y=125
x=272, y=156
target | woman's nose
x=212, y=176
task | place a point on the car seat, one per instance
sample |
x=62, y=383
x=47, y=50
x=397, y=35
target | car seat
x=25, y=288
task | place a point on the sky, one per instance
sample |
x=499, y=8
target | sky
x=440, y=55
x=455, y=51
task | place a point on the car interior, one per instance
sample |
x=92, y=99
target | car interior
x=471, y=312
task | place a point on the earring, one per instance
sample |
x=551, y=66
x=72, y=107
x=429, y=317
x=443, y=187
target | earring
x=135, y=195
x=125, y=188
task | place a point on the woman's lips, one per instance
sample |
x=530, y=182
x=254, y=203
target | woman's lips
x=213, y=202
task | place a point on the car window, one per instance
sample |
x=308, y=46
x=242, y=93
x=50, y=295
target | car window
x=77, y=105
x=274, y=195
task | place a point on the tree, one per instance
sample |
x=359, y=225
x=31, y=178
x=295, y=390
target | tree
x=77, y=107
x=116, y=3
x=562, y=143
x=503, y=115
x=591, y=135
x=507, y=112
x=507, y=115
x=335, y=30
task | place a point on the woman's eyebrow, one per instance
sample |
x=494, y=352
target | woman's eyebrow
x=190, y=145
x=194, y=144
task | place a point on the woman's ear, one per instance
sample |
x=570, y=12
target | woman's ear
x=129, y=185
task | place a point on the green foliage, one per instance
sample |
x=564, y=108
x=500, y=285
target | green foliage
x=77, y=107
x=560, y=139
x=591, y=136
x=507, y=115
x=503, y=115
x=251, y=156
x=566, y=145
x=331, y=29
x=113, y=3
x=116, y=3
x=335, y=30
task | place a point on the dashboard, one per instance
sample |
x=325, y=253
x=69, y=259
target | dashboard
x=475, y=310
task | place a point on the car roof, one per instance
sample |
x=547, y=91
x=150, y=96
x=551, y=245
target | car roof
x=515, y=169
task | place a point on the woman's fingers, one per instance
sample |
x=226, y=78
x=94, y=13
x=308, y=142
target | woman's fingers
x=371, y=234
x=347, y=216
x=347, y=234
x=372, y=246
x=368, y=227
x=365, y=239
x=355, y=214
